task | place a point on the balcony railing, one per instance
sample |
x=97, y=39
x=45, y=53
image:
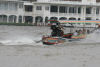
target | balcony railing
x=28, y=13
x=54, y=13
x=8, y=11
x=64, y=14
x=69, y=2
x=89, y=15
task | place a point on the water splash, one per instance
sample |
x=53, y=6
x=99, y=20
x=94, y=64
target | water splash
x=93, y=38
x=22, y=41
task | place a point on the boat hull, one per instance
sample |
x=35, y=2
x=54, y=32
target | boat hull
x=68, y=35
x=78, y=38
x=55, y=40
x=52, y=40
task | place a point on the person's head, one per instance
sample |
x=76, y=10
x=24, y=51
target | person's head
x=99, y=25
x=76, y=31
x=87, y=30
x=57, y=23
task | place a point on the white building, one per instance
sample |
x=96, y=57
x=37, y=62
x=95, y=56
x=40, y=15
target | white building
x=33, y=11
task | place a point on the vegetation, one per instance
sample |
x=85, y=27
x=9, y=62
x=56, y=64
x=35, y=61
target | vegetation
x=17, y=24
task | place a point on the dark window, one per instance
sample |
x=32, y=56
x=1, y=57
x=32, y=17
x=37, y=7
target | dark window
x=66, y=10
x=62, y=9
x=79, y=10
x=54, y=9
x=38, y=8
x=97, y=10
x=28, y=8
x=88, y=10
x=72, y=9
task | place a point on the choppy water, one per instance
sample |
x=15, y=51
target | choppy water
x=28, y=35
x=94, y=38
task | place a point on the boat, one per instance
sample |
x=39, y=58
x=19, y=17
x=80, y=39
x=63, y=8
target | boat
x=51, y=40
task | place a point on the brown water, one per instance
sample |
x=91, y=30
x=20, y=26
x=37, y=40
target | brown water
x=25, y=52
x=28, y=35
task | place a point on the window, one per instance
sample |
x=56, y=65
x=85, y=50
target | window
x=66, y=10
x=54, y=9
x=0, y=6
x=88, y=10
x=20, y=6
x=38, y=8
x=97, y=10
x=62, y=9
x=72, y=9
x=5, y=6
x=79, y=10
x=16, y=6
x=10, y=6
x=47, y=8
x=13, y=6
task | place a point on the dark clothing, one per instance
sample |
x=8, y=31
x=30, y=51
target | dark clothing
x=56, y=30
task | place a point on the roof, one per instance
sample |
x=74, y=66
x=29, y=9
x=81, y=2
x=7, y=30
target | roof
x=76, y=21
x=87, y=21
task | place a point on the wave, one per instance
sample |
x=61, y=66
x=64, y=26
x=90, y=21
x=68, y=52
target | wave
x=92, y=38
x=22, y=41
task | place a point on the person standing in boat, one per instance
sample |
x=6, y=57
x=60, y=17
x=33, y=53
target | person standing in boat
x=71, y=29
x=88, y=31
x=60, y=32
x=84, y=31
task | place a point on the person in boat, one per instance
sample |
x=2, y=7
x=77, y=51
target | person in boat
x=75, y=33
x=59, y=30
x=79, y=32
x=71, y=29
x=54, y=30
x=98, y=25
x=88, y=31
x=84, y=31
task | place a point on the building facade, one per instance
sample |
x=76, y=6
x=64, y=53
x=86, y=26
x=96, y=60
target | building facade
x=40, y=11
